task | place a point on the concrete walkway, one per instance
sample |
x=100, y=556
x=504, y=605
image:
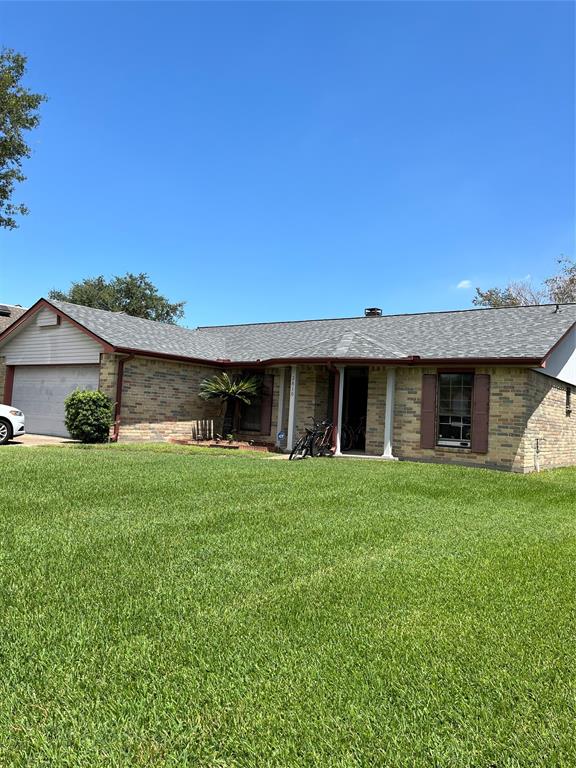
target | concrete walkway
x=32, y=440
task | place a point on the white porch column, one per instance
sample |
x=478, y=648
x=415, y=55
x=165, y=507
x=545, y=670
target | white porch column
x=338, y=452
x=292, y=406
x=279, y=420
x=389, y=412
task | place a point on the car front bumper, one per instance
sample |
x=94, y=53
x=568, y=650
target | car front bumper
x=18, y=426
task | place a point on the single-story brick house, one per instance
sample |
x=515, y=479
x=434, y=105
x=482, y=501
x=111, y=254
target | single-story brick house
x=484, y=387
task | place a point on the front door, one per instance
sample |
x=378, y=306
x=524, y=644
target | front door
x=354, y=409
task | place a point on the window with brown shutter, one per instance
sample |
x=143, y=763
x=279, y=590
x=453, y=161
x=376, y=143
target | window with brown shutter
x=455, y=409
x=480, y=413
x=428, y=411
x=266, y=404
x=257, y=417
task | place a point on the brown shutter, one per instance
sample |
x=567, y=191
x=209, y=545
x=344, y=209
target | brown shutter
x=266, y=404
x=428, y=413
x=480, y=408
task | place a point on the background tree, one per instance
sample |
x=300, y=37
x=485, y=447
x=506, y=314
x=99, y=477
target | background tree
x=133, y=294
x=232, y=391
x=562, y=287
x=558, y=289
x=18, y=113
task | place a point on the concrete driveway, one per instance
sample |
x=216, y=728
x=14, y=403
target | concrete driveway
x=32, y=440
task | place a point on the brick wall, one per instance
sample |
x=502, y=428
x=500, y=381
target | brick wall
x=312, y=401
x=160, y=399
x=376, y=410
x=108, y=375
x=551, y=431
x=509, y=404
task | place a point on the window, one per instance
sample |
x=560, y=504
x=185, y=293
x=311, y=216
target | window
x=250, y=416
x=455, y=409
x=257, y=417
x=568, y=400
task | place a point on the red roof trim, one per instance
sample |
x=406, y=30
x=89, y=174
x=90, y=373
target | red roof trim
x=176, y=358
x=418, y=362
x=399, y=361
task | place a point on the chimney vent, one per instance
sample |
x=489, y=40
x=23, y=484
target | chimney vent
x=373, y=312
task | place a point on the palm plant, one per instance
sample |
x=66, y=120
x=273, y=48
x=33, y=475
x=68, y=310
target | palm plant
x=232, y=391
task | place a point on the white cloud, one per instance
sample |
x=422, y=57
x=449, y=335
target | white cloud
x=464, y=284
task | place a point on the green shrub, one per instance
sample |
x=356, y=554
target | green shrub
x=88, y=415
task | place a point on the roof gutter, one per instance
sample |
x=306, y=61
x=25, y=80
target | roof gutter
x=411, y=361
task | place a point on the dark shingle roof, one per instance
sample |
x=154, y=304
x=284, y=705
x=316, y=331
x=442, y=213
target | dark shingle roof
x=7, y=319
x=129, y=332
x=512, y=332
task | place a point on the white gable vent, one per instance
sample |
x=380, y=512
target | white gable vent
x=47, y=318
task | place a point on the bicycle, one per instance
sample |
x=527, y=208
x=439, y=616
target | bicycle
x=316, y=441
x=351, y=436
x=323, y=442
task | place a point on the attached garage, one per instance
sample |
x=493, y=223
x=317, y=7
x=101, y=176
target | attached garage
x=40, y=391
x=47, y=358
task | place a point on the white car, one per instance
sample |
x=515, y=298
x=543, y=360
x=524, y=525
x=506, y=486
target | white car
x=12, y=423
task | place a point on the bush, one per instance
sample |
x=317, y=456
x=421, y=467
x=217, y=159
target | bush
x=88, y=415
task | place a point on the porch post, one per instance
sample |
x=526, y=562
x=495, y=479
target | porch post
x=279, y=420
x=389, y=412
x=292, y=405
x=338, y=425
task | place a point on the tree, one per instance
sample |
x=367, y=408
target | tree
x=562, y=287
x=558, y=289
x=18, y=113
x=133, y=294
x=232, y=391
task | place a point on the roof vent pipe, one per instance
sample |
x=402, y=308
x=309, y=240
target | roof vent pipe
x=557, y=308
x=373, y=312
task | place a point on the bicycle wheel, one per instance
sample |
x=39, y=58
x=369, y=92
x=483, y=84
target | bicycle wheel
x=346, y=438
x=300, y=449
x=322, y=445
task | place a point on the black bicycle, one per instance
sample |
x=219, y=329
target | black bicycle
x=352, y=437
x=316, y=441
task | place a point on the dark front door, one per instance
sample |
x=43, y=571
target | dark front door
x=354, y=409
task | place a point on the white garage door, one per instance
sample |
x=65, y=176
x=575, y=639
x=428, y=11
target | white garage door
x=39, y=391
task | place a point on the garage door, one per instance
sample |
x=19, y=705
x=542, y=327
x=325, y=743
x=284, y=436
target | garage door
x=39, y=391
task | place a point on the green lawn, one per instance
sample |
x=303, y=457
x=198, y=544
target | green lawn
x=169, y=607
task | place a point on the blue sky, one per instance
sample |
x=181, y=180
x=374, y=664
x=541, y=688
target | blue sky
x=289, y=160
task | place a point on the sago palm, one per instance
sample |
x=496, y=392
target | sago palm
x=231, y=390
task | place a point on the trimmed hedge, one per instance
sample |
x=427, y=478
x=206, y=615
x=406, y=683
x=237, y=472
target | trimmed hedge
x=88, y=415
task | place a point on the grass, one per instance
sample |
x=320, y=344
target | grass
x=171, y=607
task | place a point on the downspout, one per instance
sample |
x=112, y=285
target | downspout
x=8, y=385
x=118, y=404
